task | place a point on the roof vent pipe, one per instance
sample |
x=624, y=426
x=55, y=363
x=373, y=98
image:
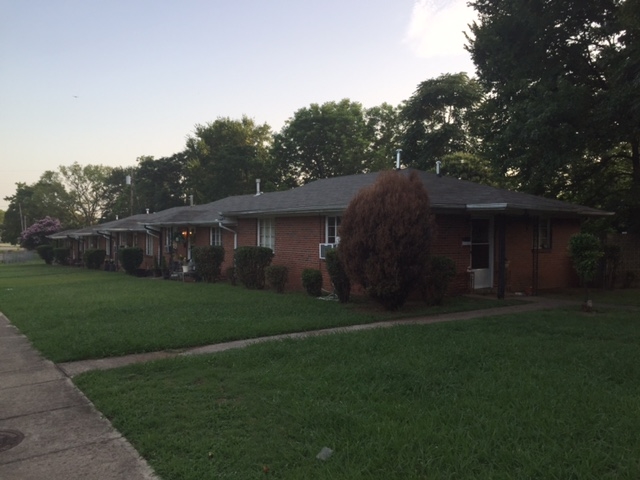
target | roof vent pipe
x=147, y=211
x=398, y=152
x=438, y=163
x=258, y=192
x=191, y=200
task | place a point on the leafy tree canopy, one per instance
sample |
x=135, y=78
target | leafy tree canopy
x=332, y=139
x=564, y=97
x=437, y=119
x=225, y=157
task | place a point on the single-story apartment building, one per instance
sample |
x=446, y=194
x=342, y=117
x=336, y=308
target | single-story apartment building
x=498, y=239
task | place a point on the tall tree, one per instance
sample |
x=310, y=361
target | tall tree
x=437, y=119
x=335, y=138
x=225, y=157
x=564, y=100
x=88, y=191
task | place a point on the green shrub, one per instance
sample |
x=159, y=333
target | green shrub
x=62, y=255
x=338, y=275
x=94, y=258
x=312, y=281
x=208, y=262
x=441, y=271
x=585, y=252
x=46, y=253
x=130, y=258
x=277, y=276
x=250, y=264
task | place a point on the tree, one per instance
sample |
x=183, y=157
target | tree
x=88, y=190
x=385, y=236
x=36, y=234
x=226, y=157
x=332, y=139
x=438, y=119
x=563, y=102
x=46, y=197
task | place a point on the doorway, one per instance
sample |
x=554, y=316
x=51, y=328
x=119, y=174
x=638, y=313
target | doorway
x=482, y=252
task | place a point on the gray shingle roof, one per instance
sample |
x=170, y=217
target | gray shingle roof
x=446, y=194
x=332, y=195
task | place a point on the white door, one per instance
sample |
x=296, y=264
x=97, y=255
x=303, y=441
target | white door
x=482, y=252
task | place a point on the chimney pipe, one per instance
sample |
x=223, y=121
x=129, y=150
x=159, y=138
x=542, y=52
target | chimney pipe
x=438, y=163
x=191, y=200
x=147, y=211
x=258, y=192
x=398, y=152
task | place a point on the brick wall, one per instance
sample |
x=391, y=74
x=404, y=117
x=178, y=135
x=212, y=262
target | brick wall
x=449, y=232
x=297, y=239
x=554, y=265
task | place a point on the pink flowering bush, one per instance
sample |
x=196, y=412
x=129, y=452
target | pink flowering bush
x=37, y=233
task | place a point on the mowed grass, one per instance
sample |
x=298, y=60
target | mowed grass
x=73, y=314
x=549, y=395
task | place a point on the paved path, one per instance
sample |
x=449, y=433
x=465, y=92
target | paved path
x=533, y=303
x=63, y=437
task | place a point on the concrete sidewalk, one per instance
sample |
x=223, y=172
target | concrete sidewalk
x=533, y=304
x=48, y=428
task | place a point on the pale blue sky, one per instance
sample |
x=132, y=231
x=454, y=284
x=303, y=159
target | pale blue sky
x=146, y=72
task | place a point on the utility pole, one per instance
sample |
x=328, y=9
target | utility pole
x=129, y=180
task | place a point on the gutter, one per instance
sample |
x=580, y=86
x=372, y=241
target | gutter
x=235, y=234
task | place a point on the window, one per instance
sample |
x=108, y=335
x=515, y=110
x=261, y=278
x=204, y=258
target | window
x=333, y=224
x=148, y=247
x=215, y=236
x=168, y=237
x=122, y=239
x=107, y=244
x=543, y=240
x=267, y=233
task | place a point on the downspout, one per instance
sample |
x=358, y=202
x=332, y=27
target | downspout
x=235, y=234
x=156, y=234
x=107, y=235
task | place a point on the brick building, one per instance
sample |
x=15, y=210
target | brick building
x=499, y=239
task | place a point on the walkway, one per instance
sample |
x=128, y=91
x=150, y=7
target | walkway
x=59, y=433
x=50, y=430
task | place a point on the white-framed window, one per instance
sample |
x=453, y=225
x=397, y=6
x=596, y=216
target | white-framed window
x=148, y=244
x=332, y=230
x=544, y=234
x=215, y=236
x=122, y=239
x=267, y=233
x=168, y=237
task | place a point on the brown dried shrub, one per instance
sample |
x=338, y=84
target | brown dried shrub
x=385, y=236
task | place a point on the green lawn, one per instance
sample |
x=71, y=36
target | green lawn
x=72, y=313
x=541, y=395
x=603, y=297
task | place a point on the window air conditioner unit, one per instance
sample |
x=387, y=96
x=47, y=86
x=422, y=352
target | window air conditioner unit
x=326, y=246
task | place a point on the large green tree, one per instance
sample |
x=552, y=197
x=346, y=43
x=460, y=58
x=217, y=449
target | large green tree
x=335, y=138
x=564, y=96
x=89, y=193
x=438, y=118
x=225, y=157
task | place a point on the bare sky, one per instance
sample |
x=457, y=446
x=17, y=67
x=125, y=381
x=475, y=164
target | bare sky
x=104, y=82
